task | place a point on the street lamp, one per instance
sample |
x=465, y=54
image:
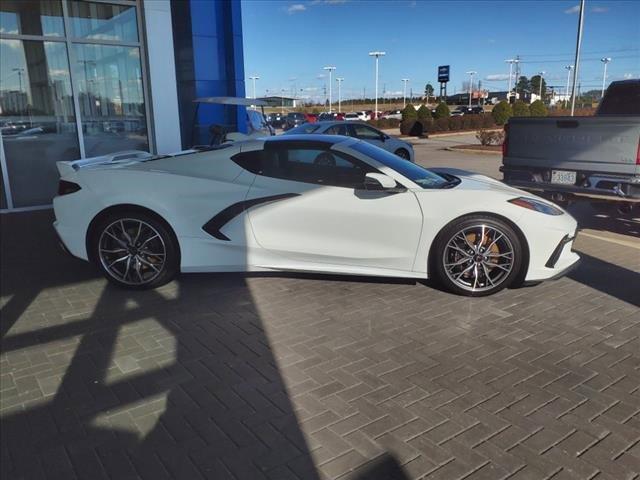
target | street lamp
x=471, y=74
x=606, y=61
x=339, y=80
x=377, y=55
x=331, y=69
x=404, y=92
x=540, y=89
x=511, y=61
x=254, y=78
x=566, y=92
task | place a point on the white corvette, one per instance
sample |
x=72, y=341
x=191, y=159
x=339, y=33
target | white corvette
x=306, y=203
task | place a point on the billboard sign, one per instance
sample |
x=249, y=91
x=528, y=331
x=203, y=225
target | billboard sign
x=443, y=73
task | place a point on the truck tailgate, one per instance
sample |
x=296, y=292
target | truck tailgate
x=596, y=144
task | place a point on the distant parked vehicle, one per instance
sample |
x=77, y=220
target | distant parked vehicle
x=393, y=114
x=351, y=117
x=568, y=158
x=364, y=115
x=294, y=119
x=327, y=117
x=360, y=131
x=311, y=117
x=276, y=119
x=464, y=110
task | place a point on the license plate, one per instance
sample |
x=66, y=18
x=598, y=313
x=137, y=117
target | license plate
x=563, y=176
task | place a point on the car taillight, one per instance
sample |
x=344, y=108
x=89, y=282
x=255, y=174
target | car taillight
x=638, y=154
x=505, y=142
x=65, y=187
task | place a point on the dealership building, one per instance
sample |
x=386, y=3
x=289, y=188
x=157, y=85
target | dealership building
x=80, y=79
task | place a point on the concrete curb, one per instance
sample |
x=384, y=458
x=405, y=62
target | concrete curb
x=471, y=150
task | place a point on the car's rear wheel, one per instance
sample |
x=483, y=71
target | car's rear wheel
x=477, y=255
x=402, y=153
x=135, y=250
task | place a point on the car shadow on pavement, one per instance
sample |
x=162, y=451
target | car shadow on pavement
x=178, y=382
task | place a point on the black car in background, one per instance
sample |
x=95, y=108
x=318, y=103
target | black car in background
x=293, y=119
x=276, y=119
x=464, y=110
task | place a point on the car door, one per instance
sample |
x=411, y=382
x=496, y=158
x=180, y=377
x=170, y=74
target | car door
x=317, y=210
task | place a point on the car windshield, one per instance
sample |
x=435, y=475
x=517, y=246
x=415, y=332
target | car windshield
x=417, y=174
x=296, y=115
x=302, y=129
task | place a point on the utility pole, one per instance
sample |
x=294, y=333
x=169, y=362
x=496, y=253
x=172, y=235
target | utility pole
x=404, y=92
x=577, y=60
x=339, y=80
x=566, y=91
x=377, y=55
x=541, y=74
x=254, y=78
x=471, y=74
x=511, y=62
x=330, y=69
x=606, y=61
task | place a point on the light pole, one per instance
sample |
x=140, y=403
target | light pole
x=339, y=80
x=510, y=61
x=282, y=90
x=566, y=92
x=377, y=55
x=254, y=78
x=606, y=61
x=331, y=69
x=577, y=58
x=541, y=74
x=471, y=74
x=404, y=92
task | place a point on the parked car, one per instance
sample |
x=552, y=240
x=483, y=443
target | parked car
x=393, y=114
x=351, y=117
x=326, y=116
x=276, y=119
x=364, y=115
x=311, y=117
x=312, y=203
x=464, y=110
x=293, y=119
x=361, y=131
x=569, y=158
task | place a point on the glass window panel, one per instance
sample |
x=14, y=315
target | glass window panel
x=31, y=17
x=111, y=98
x=37, y=120
x=103, y=21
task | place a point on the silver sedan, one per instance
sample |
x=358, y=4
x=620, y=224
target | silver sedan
x=358, y=130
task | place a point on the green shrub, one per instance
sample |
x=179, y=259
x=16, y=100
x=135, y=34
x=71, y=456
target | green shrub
x=502, y=112
x=409, y=113
x=487, y=121
x=440, y=125
x=471, y=122
x=538, y=109
x=424, y=113
x=520, y=109
x=455, y=123
x=410, y=127
x=442, y=111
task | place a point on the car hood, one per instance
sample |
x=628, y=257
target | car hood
x=476, y=181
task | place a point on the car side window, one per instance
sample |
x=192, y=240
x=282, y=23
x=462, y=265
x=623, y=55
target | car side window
x=337, y=130
x=309, y=165
x=365, y=132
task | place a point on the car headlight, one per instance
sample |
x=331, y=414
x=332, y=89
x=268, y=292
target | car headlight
x=537, y=205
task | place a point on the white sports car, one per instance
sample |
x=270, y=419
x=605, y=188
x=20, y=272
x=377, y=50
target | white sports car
x=306, y=203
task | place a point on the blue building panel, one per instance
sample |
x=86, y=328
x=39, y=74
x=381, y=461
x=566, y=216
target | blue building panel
x=209, y=63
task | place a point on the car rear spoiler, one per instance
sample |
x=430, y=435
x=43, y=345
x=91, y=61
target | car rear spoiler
x=70, y=167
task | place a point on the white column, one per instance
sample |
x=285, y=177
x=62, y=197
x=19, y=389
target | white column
x=162, y=76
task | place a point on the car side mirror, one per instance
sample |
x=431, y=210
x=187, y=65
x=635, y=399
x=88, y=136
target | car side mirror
x=378, y=181
x=383, y=136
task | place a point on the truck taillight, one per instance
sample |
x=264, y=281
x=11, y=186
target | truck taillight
x=505, y=142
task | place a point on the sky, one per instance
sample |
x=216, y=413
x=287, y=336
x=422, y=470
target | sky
x=287, y=43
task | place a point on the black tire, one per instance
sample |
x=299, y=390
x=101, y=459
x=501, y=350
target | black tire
x=486, y=269
x=150, y=262
x=402, y=153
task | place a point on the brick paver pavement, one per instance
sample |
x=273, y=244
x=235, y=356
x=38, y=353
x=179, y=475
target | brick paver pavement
x=285, y=377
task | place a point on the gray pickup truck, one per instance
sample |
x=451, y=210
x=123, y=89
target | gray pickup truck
x=570, y=158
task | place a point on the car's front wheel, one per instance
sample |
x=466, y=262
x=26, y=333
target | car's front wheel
x=402, y=153
x=477, y=255
x=135, y=250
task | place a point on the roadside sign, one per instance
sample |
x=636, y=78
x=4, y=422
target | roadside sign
x=443, y=73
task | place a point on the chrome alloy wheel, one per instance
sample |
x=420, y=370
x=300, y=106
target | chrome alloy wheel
x=478, y=258
x=132, y=251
